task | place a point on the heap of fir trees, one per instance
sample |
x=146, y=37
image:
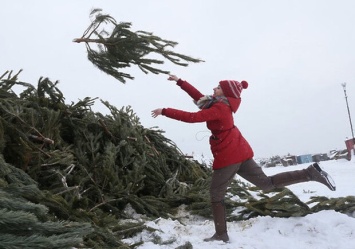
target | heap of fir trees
x=67, y=174
x=68, y=163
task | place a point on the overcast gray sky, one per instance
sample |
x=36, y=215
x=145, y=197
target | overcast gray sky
x=294, y=54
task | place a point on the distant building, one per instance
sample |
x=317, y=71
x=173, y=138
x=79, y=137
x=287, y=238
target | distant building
x=339, y=154
x=289, y=160
x=350, y=147
x=304, y=159
x=320, y=157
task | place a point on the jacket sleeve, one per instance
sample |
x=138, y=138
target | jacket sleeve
x=213, y=113
x=189, y=89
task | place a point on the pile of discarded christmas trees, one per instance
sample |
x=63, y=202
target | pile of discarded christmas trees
x=66, y=162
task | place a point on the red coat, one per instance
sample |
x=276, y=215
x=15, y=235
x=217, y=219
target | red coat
x=228, y=146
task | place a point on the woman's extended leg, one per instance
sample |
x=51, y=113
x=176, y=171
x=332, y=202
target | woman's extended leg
x=252, y=172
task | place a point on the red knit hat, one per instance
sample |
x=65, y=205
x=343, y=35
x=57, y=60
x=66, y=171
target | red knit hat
x=232, y=88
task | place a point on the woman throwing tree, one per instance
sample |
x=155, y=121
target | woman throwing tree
x=232, y=153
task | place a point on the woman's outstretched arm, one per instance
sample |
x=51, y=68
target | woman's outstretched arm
x=216, y=112
x=187, y=87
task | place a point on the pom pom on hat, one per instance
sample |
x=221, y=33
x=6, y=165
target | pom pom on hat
x=244, y=84
x=233, y=88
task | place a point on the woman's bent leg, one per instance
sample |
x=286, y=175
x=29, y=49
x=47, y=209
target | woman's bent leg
x=221, y=178
x=219, y=184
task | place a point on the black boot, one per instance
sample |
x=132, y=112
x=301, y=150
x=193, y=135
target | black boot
x=318, y=175
x=220, y=224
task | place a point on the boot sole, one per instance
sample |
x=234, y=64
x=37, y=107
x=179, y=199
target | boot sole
x=326, y=176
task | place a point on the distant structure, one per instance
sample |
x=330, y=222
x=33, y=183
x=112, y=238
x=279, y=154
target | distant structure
x=320, y=157
x=350, y=147
x=304, y=159
x=351, y=124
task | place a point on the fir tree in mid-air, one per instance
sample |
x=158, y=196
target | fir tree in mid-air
x=122, y=47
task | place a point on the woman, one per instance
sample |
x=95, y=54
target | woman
x=232, y=153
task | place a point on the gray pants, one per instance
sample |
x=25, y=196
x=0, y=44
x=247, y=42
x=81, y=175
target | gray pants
x=253, y=173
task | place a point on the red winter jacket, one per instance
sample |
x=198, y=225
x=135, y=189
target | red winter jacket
x=228, y=146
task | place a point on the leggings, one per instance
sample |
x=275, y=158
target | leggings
x=249, y=170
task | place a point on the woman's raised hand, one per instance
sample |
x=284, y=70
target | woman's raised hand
x=173, y=78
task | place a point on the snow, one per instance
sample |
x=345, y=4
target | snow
x=322, y=230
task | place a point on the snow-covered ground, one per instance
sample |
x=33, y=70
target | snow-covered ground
x=322, y=230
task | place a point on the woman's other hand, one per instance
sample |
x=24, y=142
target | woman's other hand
x=156, y=112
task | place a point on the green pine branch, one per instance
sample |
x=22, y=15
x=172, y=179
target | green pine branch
x=121, y=48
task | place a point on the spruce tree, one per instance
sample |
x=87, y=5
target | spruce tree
x=120, y=48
